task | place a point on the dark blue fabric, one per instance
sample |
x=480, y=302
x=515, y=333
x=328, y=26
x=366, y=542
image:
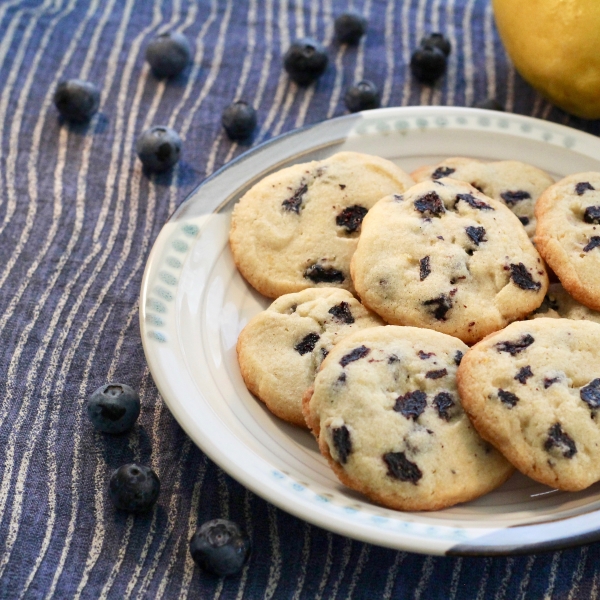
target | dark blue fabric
x=77, y=221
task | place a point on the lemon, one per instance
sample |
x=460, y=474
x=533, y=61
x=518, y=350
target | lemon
x=554, y=46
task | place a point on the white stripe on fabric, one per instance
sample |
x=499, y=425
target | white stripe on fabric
x=484, y=579
x=346, y=553
x=552, y=575
x=392, y=574
x=468, y=53
x=426, y=572
x=406, y=52
x=389, y=52
x=525, y=578
x=488, y=44
x=363, y=557
x=576, y=580
x=250, y=532
x=455, y=578
x=275, y=566
x=501, y=592
x=326, y=568
x=303, y=563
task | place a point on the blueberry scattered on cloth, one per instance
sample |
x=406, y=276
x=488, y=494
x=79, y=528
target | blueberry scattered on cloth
x=168, y=54
x=350, y=27
x=134, y=488
x=305, y=61
x=362, y=96
x=220, y=547
x=159, y=148
x=428, y=64
x=77, y=100
x=239, y=120
x=113, y=408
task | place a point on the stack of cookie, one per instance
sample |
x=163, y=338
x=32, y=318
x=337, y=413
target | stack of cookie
x=403, y=410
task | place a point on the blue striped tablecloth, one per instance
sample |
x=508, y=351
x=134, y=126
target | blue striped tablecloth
x=77, y=220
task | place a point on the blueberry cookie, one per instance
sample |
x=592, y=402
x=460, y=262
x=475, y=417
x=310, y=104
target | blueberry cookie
x=568, y=235
x=533, y=390
x=558, y=304
x=298, y=228
x=281, y=348
x=446, y=257
x=386, y=413
x=516, y=184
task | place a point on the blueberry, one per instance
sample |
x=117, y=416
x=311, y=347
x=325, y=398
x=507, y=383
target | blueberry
x=134, y=488
x=439, y=41
x=220, y=547
x=77, y=100
x=113, y=408
x=305, y=61
x=350, y=27
x=428, y=63
x=362, y=96
x=239, y=120
x=168, y=54
x=159, y=148
x=489, y=104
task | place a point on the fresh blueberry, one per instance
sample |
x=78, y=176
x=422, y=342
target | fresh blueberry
x=134, y=488
x=439, y=41
x=428, y=63
x=168, y=54
x=350, y=27
x=305, y=61
x=239, y=120
x=362, y=96
x=113, y=408
x=77, y=100
x=220, y=547
x=159, y=148
x=489, y=104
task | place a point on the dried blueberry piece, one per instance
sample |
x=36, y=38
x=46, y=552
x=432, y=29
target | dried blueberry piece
x=363, y=95
x=220, y=547
x=524, y=374
x=593, y=243
x=411, y=405
x=560, y=440
x=342, y=378
x=458, y=357
x=401, y=468
x=342, y=442
x=590, y=393
x=436, y=374
x=522, y=277
x=341, y=312
x=443, y=402
x=294, y=202
x=319, y=274
x=547, y=304
x=351, y=218
x=592, y=215
x=442, y=172
x=550, y=381
x=350, y=27
x=511, y=198
x=324, y=353
x=442, y=305
x=239, y=120
x=513, y=348
x=508, y=398
x=77, y=100
x=355, y=354
x=393, y=359
x=439, y=41
x=489, y=104
x=307, y=343
x=477, y=234
x=305, y=61
x=427, y=64
x=425, y=355
x=430, y=203
x=524, y=221
x=168, y=54
x=424, y=268
x=472, y=201
x=582, y=187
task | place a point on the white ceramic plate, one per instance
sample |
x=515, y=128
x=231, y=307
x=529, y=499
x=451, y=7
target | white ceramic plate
x=194, y=303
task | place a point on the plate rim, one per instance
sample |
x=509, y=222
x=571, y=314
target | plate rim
x=298, y=508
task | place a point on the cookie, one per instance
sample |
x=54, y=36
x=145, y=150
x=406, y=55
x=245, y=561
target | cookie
x=298, y=227
x=446, y=257
x=514, y=183
x=533, y=390
x=281, y=348
x=568, y=235
x=558, y=304
x=388, y=419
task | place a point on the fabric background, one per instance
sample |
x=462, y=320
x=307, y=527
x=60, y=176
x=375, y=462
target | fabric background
x=77, y=221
